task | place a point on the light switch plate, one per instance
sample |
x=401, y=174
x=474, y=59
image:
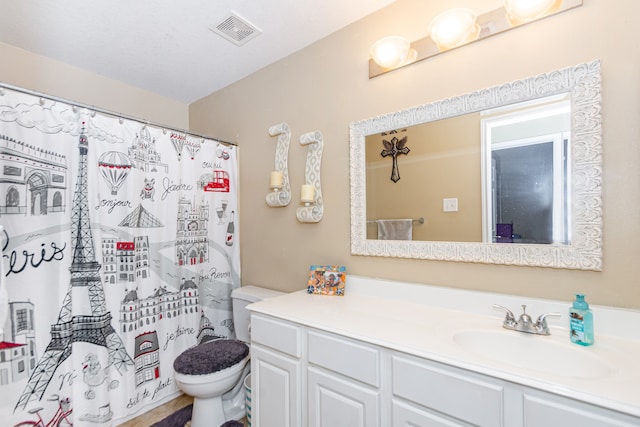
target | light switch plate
x=450, y=205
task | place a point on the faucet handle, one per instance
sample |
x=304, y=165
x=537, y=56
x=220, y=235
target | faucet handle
x=541, y=323
x=509, y=319
x=525, y=319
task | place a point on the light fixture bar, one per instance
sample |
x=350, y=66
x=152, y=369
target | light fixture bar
x=491, y=23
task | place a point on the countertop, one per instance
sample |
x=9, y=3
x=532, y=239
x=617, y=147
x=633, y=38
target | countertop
x=420, y=324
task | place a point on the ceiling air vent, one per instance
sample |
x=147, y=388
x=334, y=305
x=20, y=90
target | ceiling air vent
x=236, y=29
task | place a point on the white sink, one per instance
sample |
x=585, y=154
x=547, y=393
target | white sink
x=535, y=352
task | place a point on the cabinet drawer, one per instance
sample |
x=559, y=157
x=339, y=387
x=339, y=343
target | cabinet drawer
x=543, y=410
x=348, y=357
x=460, y=394
x=408, y=415
x=277, y=334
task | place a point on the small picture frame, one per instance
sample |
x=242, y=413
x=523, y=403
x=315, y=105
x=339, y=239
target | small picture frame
x=327, y=280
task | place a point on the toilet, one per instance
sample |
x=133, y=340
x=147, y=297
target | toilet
x=213, y=372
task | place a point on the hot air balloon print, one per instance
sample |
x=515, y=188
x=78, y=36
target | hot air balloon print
x=178, y=142
x=193, y=146
x=114, y=167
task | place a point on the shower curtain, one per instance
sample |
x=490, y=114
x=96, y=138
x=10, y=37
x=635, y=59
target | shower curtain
x=120, y=251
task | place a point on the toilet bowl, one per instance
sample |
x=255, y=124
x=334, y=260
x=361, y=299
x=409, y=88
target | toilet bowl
x=213, y=372
x=206, y=372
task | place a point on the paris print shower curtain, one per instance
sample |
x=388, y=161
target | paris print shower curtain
x=120, y=251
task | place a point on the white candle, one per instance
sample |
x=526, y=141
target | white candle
x=276, y=179
x=307, y=193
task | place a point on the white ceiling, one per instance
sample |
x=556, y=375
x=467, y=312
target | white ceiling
x=166, y=46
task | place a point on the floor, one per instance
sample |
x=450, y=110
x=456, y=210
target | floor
x=155, y=415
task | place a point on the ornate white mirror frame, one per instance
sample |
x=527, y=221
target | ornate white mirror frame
x=585, y=249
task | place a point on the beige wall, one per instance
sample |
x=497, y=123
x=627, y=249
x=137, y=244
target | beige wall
x=325, y=86
x=43, y=75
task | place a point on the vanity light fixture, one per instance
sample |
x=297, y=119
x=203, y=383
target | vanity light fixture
x=458, y=27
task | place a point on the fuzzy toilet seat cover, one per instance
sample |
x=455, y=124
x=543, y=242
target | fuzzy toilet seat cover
x=210, y=357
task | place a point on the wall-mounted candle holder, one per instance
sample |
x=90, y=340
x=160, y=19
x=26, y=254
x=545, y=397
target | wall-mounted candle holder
x=311, y=191
x=279, y=178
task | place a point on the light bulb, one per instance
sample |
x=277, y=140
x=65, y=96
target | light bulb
x=390, y=52
x=521, y=11
x=454, y=28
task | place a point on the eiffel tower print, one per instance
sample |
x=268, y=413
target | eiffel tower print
x=94, y=326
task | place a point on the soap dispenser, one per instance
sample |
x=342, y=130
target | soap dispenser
x=581, y=322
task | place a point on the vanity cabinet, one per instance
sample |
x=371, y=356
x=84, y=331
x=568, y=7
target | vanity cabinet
x=308, y=377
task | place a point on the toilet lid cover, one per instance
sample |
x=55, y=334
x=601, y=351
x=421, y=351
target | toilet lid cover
x=210, y=357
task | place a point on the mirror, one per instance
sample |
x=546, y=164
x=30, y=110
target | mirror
x=477, y=226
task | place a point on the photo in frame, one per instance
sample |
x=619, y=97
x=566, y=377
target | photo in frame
x=327, y=280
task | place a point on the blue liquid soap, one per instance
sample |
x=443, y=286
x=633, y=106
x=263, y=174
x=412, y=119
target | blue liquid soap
x=581, y=322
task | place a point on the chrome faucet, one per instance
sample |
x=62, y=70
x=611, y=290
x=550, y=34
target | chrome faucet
x=525, y=323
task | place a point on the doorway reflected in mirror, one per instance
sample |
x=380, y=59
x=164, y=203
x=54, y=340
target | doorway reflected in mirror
x=526, y=168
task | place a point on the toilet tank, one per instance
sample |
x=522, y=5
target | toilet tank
x=241, y=297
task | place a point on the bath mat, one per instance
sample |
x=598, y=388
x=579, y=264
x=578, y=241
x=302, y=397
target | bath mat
x=182, y=416
x=177, y=419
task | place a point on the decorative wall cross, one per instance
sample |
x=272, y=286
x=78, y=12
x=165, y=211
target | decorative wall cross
x=394, y=148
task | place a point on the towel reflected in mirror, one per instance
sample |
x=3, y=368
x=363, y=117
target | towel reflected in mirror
x=395, y=229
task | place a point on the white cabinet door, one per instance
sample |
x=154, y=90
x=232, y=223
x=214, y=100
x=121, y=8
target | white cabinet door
x=545, y=410
x=275, y=382
x=337, y=402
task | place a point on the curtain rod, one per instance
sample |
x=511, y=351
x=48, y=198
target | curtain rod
x=107, y=112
